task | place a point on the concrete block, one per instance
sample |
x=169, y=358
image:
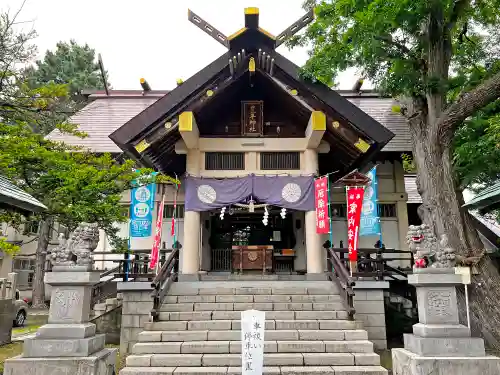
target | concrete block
x=366, y=359
x=253, y=291
x=265, y=371
x=301, y=347
x=143, y=319
x=253, y=306
x=349, y=347
x=281, y=335
x=440, y=330
x=316, y=298
x=307, y=370
x=42, y=348
x=297, y=324
x=224, y=335
x=321, y=335
x=445, y=346
x=374, y=295
x=166, y=326
x=371, y=320
x=147, y=371
x=280, y=315
x=376, y=333
x=218, y=291
x=232, y=299
x=193, y=315
x=201, y=347
x=407, y=363
x=311, y=315
x=142, y=360
x=360, y=295
x=173, y=299
x=226, y=315
x=60, y=331
x=359, y=370
x=369, y=307
x=179, y=307
x=130, y=321
x=342, y=315
x=200, y=370
x=213, y=307
x=297, y=306
x=149, y=336
x=379, y=344
x=136, y=308
x=272, y=298
x=157, y=348
x=355, y=334
x=269, y=347
x=197, y=299
x=328, y=306
x=338, y=324
x=289, y=291
x=182, y=289
x=215, y=325
x=219, y=360
x=328, y=359
x=269, y=325
x=171, y=360
x=174, y=336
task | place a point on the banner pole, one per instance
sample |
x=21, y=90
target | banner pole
x=330, y=214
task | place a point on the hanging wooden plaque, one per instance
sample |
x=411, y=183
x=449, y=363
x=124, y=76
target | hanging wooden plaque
x=252, y=118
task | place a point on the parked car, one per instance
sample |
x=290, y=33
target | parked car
x=21, y=310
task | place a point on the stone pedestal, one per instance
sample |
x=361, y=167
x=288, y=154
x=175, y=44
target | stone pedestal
x=68, y=344
x=439, y=344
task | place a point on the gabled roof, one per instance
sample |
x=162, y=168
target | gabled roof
x=13, y=197
x=489, y=196
x=152, y=134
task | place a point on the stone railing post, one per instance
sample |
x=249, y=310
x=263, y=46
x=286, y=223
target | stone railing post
x=68, y=344
x=439, y=343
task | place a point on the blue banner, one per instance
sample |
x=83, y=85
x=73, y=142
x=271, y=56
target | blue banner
x=141, y=210
x=370, y=220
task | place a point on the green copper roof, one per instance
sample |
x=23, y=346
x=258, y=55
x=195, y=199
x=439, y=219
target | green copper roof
x=485, y=198
x=12, y=196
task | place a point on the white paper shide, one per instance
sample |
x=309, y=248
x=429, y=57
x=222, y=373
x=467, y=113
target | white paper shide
x=252, y=342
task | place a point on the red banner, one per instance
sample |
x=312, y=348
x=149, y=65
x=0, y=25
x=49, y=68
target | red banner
x=354, y=206
x=157, y=239
x=321, y=201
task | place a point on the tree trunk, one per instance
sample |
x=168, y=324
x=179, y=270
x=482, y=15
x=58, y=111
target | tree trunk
x=38, y=295
x=441, y=209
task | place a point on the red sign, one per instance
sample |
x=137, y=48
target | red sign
x=354, y=205
x=156, y=244
x=321, y=195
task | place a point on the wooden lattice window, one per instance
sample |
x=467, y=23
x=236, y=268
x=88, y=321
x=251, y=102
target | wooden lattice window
x=280, y=160
x=220, y=161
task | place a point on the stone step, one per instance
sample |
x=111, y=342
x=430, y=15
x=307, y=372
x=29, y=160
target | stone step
x=287, y=288
x=270, y=359
x=261, y=298
x=283, y=370
x=224, y=325
x=225, y=347
x=236, y=277
x=236, y=315
x=271, y=335
x=264, y=306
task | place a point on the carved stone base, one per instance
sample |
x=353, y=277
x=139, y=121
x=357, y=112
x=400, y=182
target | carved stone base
x=100, y=363
x=68, y=347
x=406, y=363
x=445, y=346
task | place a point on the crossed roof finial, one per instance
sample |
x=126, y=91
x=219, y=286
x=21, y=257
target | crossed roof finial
x=251, y=24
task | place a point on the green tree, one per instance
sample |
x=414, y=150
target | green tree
x=423, y=52
x=75, y=185
x=72, y=64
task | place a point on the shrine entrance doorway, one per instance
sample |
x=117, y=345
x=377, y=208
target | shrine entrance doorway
x=241, y=243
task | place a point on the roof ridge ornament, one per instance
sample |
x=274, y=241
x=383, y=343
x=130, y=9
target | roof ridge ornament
x=251, y=23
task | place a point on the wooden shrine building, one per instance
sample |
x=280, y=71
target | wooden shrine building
x=249, y=135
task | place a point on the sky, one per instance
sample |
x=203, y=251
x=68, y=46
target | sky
x=153, y=38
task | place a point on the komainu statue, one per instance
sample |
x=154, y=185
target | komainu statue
x=428, y=252
x=81, y=243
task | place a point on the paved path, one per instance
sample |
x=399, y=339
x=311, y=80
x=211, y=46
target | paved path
x=23, y=336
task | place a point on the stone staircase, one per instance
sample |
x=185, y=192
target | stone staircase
x=307, y=331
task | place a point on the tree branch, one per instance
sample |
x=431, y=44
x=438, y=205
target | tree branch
x=468, y=104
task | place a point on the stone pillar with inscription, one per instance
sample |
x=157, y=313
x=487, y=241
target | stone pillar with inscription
x=68, y=344
x=439, y=343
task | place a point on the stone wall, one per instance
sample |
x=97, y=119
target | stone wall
x=136, y=311
x=370, y=309
x=107, y=317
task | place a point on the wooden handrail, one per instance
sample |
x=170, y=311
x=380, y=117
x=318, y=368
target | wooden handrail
x=341, y=275
x=160, y=284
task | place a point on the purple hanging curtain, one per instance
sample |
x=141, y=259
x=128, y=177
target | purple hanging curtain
x=296, y=193
x=204, y=194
